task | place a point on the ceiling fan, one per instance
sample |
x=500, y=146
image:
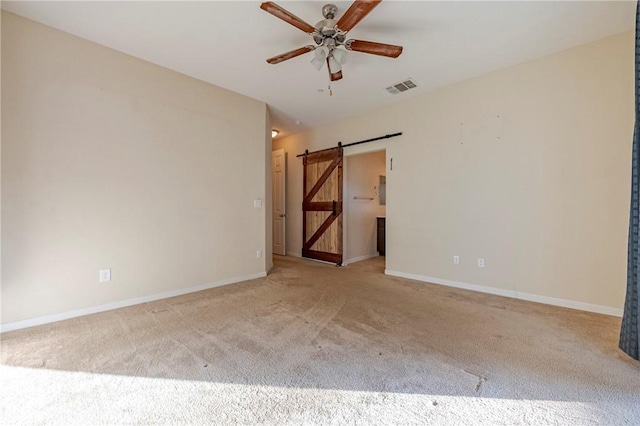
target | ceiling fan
x=331, y=34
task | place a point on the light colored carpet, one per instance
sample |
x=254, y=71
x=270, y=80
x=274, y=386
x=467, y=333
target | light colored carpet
x=316, y=344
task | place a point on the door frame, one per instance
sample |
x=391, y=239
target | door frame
x=382, y=145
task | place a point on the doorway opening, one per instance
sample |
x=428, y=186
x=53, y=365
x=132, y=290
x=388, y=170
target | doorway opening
x=365, y=209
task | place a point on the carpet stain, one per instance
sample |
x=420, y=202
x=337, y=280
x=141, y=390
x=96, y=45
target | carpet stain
x=481, y=380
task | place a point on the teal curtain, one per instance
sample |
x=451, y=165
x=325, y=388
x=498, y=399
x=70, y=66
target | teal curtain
x=630, y=333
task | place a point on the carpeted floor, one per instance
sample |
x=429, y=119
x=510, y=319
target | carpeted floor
x=316, y=344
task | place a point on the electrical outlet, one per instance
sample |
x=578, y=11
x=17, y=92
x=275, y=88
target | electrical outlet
x=105, y=275
x=480, y=262
x=257, y=204
x=258, y=254
x=456, y=260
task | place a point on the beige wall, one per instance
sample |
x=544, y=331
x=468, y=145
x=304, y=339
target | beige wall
x=268, y=205
x=0, y=176
x=362, y=177
x=112, y=162
x=527, y=167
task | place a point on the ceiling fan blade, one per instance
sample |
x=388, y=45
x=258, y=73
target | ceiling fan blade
x=356, y=12
x=286, y=16
x=374, y=48
x=333, y=76
x=291, y=54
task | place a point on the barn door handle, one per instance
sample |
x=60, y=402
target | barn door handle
x=334, y=207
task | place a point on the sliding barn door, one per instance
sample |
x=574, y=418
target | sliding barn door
x=322, y=206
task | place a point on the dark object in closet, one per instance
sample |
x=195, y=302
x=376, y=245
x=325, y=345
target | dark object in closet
x=381, y=239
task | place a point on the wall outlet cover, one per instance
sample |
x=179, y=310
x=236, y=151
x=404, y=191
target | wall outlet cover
x=105, y=275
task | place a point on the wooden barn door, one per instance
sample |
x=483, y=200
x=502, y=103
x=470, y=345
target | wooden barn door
x=322, y=205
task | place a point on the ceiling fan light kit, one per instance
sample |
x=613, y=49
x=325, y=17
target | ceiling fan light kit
x=320, y=55
x=330, y=35
x=334, y=66
x=340, y=56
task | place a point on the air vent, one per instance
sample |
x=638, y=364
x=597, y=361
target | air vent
x=403, y=86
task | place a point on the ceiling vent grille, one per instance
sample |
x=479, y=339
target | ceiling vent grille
x=403, y=86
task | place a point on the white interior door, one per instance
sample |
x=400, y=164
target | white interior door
x=279, y=214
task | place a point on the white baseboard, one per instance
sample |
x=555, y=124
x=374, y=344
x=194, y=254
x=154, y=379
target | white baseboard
x=32, y=322
x=293, y=254
x=599, y=309
x=581, y=306
x=360, y=258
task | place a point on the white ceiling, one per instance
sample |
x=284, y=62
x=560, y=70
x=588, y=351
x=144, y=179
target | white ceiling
x=226, y=44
